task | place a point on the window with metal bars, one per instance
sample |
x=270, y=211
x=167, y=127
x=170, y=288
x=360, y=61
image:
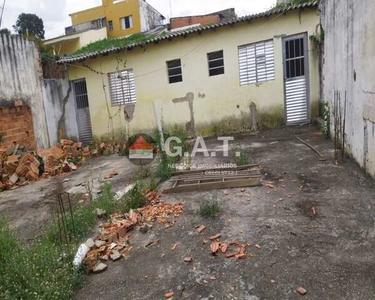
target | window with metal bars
x=80, y=92
x=174, y=71
x=295, y=58
x=215, y=63
x=122, y=87
x=256, y=62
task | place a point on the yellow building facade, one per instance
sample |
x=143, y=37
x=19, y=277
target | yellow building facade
x=203, y=104
x=113, y=19
x=124, y=17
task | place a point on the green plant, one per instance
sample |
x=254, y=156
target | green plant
x=142, y=172
x=165, y=167
x=45, y=269
x=137, y=38
x=326, y=119
x=122, y=152
x=239, y=157
x=210, y=209
x=107, y=152
x=279, y=6
x=134, y=199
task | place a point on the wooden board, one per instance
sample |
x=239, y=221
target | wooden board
x=239, y=168
x=213, y=185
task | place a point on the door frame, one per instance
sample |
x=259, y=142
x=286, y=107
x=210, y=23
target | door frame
x=303, y=35
x=73, y=82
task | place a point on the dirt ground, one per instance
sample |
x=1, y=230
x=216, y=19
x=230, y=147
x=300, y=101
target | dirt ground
x=30, y=208
x=331, y=255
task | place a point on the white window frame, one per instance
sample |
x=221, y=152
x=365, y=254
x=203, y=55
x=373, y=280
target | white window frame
x=256, y=62
x=213, y=60
x=169, y=68
x=123, y=23
x=122, y=87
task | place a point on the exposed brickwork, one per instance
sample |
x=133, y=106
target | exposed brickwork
x=191, y=20
x=16, y=127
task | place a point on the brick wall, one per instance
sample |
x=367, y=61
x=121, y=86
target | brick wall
x=16, y=127
x=186, y=21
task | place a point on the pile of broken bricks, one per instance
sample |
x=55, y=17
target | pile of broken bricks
x=229, y=249
x=18, y=166
x=112, y=241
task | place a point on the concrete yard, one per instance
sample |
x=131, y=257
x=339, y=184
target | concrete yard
x=30, y=208
x=330, y=254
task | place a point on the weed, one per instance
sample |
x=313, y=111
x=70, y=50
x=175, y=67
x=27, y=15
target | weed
x=134, y=199
x=292, y=2
x=326, y=119
x=122, y=152
x=142, y=172
x=45, y=269
x=103, y=44
x=210, y=209
x=107, y=152
x=239, y=157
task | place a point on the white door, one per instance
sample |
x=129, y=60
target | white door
x=296, y=79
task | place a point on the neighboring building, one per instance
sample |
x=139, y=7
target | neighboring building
x=348, y=69
x=205, y=78
x=216, y=17
x=113, y=19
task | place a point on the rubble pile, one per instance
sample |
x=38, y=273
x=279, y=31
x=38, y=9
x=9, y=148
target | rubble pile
x=18, y=166
x=112, y=241
x=231, y=249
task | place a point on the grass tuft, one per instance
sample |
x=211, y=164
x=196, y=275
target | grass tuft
x=44, y=270
x=137, y=38
x=209, y=209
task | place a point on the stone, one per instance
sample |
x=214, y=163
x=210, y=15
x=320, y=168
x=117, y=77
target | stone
x=100, y=268
x=301, y=291
x=99, y=243
x=144, y=229
x=100, y=212
x=188, y=259
x=115, y=255
x=90, y=243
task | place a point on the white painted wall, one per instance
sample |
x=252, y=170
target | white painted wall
x=59, y=105
x=349, y=65
x=20, y=79
x=150, y=17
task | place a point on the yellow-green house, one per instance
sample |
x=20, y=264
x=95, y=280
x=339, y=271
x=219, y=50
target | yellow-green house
x=203, y=78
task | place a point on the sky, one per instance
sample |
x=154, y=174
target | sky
x=55, y=13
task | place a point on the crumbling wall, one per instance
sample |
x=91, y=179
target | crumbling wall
x=349, y=49
x=20, y=81
x=16, y=127
x=60, y=110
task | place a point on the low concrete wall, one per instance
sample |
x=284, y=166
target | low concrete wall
x=349, y=67
x=60, y=110
x=20, y=79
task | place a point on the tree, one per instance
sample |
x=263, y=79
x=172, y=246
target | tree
x=31, y=24
x=5, y=31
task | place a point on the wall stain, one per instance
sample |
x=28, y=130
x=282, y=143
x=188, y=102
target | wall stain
x=61, y=123
x=129, y=112
x=189, y=98
x=201, y=95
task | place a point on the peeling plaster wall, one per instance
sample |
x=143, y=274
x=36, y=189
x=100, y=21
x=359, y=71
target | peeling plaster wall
x=149, y=16
x=215, y=98
x=60, y=110
x=349, y=65
x=20, y=79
